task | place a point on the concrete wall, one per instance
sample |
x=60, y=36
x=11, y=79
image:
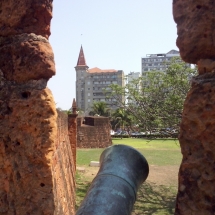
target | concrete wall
x=93, y=132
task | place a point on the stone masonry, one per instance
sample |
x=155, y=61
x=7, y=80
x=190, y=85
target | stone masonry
x=72, y=131
x=63, y=169
x=93, y=132
x=35, y=168
x=196, y=191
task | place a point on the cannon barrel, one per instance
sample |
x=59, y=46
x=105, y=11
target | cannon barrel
x=113, y=191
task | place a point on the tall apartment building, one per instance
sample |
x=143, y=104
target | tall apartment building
x=157, y=61
x=90, y=84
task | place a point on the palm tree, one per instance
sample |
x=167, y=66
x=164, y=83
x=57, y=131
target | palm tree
x=121, y=118
x=99, y=108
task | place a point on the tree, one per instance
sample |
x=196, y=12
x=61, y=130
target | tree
x=121, y=118
x=156, y=99
x=99, y=108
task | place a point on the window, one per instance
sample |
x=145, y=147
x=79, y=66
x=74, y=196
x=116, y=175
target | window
x=88, y=94
x=88, y=100
x=88, y=82
x=88, y=88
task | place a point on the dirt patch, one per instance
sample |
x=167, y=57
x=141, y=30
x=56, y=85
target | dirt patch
x=160, y=175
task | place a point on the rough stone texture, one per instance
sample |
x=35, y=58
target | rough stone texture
x=27, y=135
x=26, y=16
x=196, y=41
x=93, y=132
x=196, y=195
x=72, y=131
x=195, y=23
x=25, y=57
x=36, y=162
x=63, y=170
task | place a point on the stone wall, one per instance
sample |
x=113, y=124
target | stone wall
x=36, y=168
x=72, y=131
x=93, y=132
x=63, y=169
x=196, y=190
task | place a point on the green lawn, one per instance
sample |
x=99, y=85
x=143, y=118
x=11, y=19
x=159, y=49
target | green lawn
x=157, y=152
x=152, y=199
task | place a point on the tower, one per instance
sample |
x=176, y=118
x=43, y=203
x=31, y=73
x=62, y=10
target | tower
x=81, y=75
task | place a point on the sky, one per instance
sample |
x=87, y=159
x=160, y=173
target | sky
x=114, y=34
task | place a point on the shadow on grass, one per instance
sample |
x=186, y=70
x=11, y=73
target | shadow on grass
x=81, y=190
x=155, y=199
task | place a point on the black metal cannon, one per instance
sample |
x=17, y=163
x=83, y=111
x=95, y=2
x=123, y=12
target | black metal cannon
x=113, y=191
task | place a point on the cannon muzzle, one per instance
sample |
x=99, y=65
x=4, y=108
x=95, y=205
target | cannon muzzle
x=113, y=191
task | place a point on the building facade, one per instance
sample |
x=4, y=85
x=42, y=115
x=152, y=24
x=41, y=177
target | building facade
x=132, y=76
x=157, y=61
x=91, y=84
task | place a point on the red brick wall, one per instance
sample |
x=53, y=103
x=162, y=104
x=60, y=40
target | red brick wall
x=93, y=132
x=63, y=170
x=72, y=131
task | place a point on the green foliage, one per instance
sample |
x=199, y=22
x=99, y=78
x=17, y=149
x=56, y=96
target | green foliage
x=99, y=108
x=121, y=118
x=156, y=99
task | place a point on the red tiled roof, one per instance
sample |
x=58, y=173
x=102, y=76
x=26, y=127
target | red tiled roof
x=81, y=58
x=97, y=70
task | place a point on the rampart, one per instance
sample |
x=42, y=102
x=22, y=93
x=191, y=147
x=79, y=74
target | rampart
x=93, y=132
x=63, y=169
x=36, y=163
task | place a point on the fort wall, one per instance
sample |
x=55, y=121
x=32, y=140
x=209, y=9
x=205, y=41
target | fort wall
x=93, y=132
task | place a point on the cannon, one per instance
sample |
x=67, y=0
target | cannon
x=114, y=189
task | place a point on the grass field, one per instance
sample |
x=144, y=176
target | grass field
x=152, y=198
x=157, y=152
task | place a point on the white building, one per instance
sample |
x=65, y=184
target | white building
x=157, y=61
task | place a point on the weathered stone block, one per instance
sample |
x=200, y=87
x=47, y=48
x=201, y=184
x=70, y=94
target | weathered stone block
x=27, y=136
x=195, y=23
x=26, y=16
x=196, y=192
x=26, y=57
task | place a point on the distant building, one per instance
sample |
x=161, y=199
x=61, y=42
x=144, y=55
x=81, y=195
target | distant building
x=90, y=84
x=130, y=78
x=157, y=61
